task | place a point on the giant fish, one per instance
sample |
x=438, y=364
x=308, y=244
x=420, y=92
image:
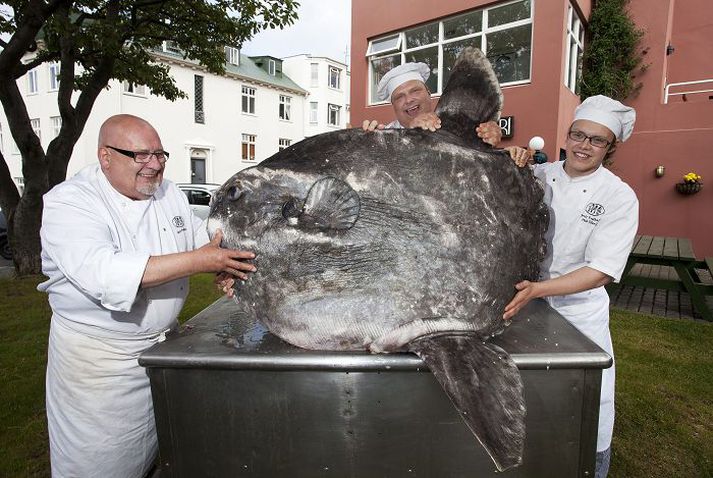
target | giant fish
x=399, y=240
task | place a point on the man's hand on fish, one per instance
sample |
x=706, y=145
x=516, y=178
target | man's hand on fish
x=429, y=121
x=371, y=125
x=225, y=283
x=214, y=258
x=521, y=156
x=526, y=292
x=489, y=132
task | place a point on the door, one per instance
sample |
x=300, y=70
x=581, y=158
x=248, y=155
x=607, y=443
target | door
x=198, y=170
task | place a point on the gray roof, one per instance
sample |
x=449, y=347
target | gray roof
x=247, y=70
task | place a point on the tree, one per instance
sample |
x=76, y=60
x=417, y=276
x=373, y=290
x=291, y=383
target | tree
x=95, y=41
x=612, y=57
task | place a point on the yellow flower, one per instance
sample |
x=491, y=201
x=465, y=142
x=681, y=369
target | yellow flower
x=691, y=178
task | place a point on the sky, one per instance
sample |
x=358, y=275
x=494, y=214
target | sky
x=323, y=28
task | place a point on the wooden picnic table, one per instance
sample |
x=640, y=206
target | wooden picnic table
x=675, y=252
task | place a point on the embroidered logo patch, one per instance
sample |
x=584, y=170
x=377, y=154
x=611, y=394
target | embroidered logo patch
x=178, y=221
x=594, y=209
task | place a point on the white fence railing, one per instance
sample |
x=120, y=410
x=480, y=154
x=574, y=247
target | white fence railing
x=668, y=93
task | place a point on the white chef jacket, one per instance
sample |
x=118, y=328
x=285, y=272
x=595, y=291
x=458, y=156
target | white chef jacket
x=95, y=247
x=593, y=221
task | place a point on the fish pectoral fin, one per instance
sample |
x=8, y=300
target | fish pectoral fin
x=331, y=204
x=485, y=386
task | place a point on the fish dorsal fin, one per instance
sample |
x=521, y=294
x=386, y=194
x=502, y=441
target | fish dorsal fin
x=331, y=204
x=471, y=97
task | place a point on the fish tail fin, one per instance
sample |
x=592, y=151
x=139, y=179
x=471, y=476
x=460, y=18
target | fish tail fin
x=485, y=386
x=471, y=97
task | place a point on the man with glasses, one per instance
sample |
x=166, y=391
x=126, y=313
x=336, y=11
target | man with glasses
x=118, y=245
x=594, y=216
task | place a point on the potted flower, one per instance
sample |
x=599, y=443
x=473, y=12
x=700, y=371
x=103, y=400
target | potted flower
x=691, y=184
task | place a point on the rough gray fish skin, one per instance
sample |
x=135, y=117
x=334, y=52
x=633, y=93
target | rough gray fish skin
x=399, y=240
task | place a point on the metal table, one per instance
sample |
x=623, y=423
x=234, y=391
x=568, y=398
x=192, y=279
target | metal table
x=231, y=399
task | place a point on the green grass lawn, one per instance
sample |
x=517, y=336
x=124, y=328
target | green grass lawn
x=664, y=395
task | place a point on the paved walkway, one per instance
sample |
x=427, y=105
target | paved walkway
x=658, y=301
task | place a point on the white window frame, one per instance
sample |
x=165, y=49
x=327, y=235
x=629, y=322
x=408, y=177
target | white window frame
x=400, y=47
x=314, y=75
x=573, y=56
x=250, y=93
x=2, y=141
x=337, y=109
x=53, y=69
x=271, y=66
x=170, y=46
x=56, y=122
x=313, y=112
x=232, y=55
x=248, y=147
x=338, y=71
x=33, y=84
x=36, y=127
x=285, y=109
x=284, y=143
x=133, y=90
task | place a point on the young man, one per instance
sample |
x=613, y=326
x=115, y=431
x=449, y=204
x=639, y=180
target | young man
x=118, y=243
x=593, y=220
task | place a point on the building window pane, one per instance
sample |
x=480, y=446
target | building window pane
x=333, y=118
x=452, y=50
x=232, y=55
x=423, y=35
x=509, y=53
x=463, y=25
x=508, y=13
x=313, y=112
x=379, y=67
x=284, y=143
x=133, y=89
x=314, y=74
x=35, y=124
x=56, y=125
x=285, y=107
x=32, y=85
x=248, y=100
x=383, y=45
x=575, y=48
x=428, y=56
x=334, y=76
x=248, y=147
x=198, y=97
x=271, y=67
x=54, y=76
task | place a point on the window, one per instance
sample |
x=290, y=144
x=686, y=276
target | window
x=32, y=85
x=35, y=124
x=503, y=32
x=313, y=112
x=198, y=97
x=56, y=125
x=284, y=143
x=2, y=148
x=271, y=67
x=232, y=55
x=132, y=89
x=54, y=76
x=248, y=105
x=575, y=47
x=333, y=118
x=314, y=74
x=334, y=77
x=248, y=147
x=285, y=107
x=171, y=47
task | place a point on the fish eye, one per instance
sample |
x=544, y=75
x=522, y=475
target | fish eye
x=291, y=209
x=233, y=193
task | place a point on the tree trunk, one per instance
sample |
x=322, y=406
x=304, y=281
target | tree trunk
x=24, y=233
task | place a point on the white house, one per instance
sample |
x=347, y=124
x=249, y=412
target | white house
x=227, y=123
x=327, y=82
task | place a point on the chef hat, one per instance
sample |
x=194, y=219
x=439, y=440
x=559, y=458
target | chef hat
x=400, y=75
x=616, y=116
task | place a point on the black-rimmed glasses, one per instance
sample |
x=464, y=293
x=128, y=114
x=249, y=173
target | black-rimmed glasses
x=596, y=141
x=142, y=157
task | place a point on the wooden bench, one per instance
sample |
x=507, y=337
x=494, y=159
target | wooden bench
x=674, y=252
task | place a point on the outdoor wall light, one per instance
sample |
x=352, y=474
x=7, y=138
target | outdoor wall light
x=660, y=171
x=670, y=49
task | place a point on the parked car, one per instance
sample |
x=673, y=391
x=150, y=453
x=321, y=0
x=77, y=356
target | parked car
x=199, y=196
x=5, y=251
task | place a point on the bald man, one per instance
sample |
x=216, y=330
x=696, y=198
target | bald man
x=118, y=245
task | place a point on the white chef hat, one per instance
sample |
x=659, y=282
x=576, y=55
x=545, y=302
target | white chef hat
x=616, y=116
x=400, y=75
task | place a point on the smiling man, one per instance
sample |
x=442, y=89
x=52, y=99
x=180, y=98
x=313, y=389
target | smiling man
x=118, y=245
x=594, y=216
